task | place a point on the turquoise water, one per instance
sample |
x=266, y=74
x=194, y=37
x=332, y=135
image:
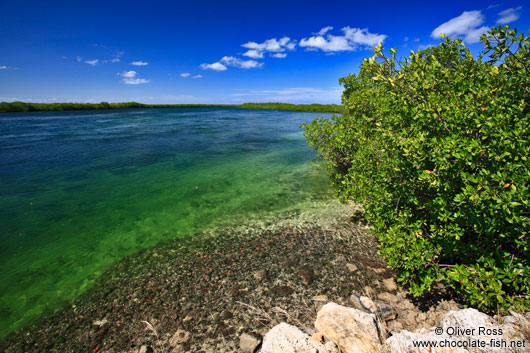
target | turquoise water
x=81, y=190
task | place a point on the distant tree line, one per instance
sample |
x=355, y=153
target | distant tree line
x=331, y=108
x=20, y=107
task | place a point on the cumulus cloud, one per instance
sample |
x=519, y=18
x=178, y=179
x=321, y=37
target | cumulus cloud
x=509, y=15
x=197, y=76
x=3, y=67
x=134, y=81
x=253, y=53
x=129, y=78
x=92, y=62
x=351, y=40
x=330, y=43
x=129, y=74
x=274, y=45
x=465, y=26
x=225, y=61
x=217, y=66
x=185, y=74
x=242, y=64
x=279, y=55
x=139, y=63
x=362, y=36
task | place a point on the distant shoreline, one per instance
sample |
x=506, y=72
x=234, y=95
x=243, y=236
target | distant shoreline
x=22, y=107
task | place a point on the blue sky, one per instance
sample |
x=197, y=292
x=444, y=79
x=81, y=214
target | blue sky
x=218, y=51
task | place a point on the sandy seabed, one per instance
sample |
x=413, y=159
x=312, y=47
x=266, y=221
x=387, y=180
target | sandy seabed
x=207, y=288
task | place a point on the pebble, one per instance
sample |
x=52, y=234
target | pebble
x=390, y=284
x=351, y=267
x=320, y=298
x=261, y=275
x=369, y=291
x=248, y=343
x=307, y=274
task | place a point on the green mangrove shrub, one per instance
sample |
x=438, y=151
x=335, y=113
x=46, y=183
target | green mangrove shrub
x=436, y=146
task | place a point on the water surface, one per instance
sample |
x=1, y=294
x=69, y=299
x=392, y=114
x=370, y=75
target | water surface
x=81, y=190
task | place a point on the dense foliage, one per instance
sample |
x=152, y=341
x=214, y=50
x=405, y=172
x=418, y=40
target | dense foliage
x=17, y=107
x=437, y=147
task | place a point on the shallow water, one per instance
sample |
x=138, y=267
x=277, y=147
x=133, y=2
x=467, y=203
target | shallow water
x=82, y=190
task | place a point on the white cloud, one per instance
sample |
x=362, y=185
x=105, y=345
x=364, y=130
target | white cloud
x=3, y=67
x=129, y=74
x=92, y=62
x=253, y=53
x=465, y=26
x=279, y=55
x=509, y=15
x=363, y=37
x=242, y=64
x=78, y=59
x=197, y=76
x=330, y=43
x=185, y=74
x=324, y=31
x=274, y=45
x=217, y=66
x=134, y=81
x=350, y=41
x=139, y=63
x=225, y=61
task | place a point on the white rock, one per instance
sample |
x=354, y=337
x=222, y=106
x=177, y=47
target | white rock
x=466, y=330
x=467, y=319
x=516, y=326
x=404, y=342
x=100, y=322
x=284, y=338
x=354, y=331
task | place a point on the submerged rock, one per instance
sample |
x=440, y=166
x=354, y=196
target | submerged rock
x=248, y=343
x=261, y=275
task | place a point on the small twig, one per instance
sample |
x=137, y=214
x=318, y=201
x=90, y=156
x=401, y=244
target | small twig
x=150, y=327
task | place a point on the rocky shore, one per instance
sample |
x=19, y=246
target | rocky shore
x=223, y=290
